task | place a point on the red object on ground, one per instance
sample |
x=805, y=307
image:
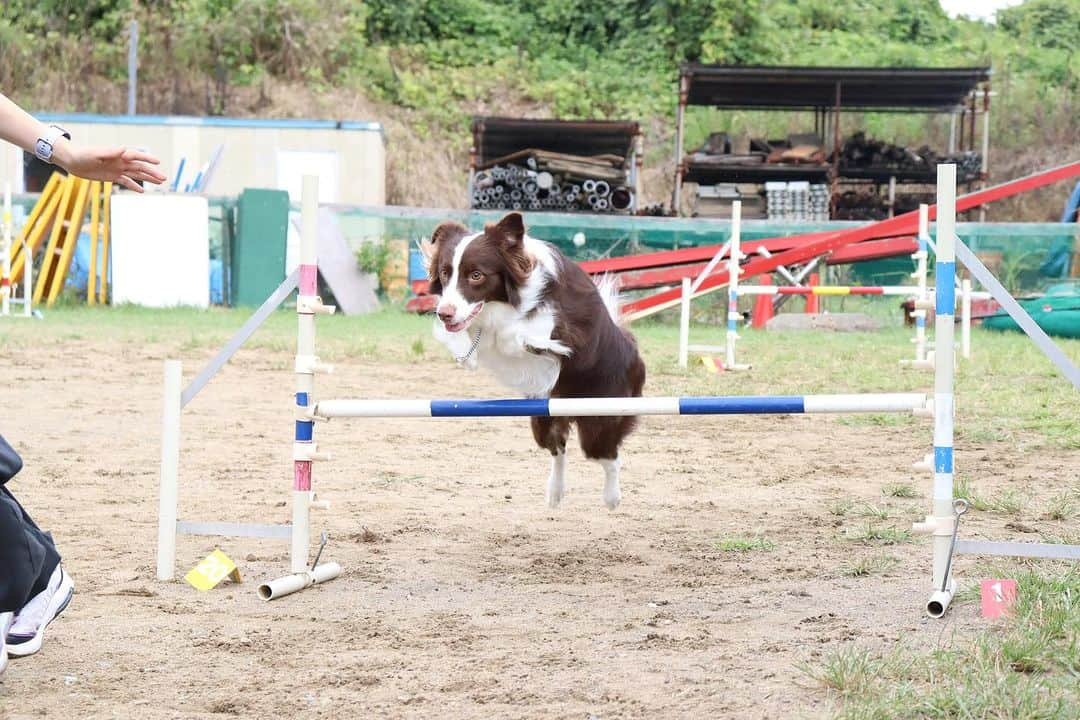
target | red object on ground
x=812, y=304
x=763, y=311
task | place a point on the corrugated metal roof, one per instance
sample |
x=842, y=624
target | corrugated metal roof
x=494, y=137
x=784, y=87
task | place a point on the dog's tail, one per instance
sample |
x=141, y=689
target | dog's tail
x=608, y=287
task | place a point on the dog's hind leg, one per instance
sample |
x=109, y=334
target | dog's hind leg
x=550, y=434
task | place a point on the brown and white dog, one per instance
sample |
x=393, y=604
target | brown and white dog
x=516, y=306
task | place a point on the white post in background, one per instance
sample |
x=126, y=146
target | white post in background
x=170, y=470
x=965, y=319
x=28, y=282
x=5, y=254
x=920, y=275
x=133, y=65
x=942, y=522
x=684, y=323
x=733, y=287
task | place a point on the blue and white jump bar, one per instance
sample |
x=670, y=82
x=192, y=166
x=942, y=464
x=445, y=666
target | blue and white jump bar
x=598, y=407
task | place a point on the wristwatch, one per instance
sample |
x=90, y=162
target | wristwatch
x=43, y=148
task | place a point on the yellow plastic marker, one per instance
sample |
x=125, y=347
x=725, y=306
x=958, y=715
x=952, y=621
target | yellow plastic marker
x=711, y=365
x=214, y=568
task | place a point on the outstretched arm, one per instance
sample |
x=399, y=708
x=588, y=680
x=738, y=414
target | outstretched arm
x=116, y=164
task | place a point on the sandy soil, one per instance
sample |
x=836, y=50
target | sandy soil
x=463, y=596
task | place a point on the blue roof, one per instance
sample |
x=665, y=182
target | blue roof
x=255, y=123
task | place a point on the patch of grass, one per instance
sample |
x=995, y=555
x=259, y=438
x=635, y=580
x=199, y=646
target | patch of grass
x=840, y=508
x=746, y=544
x=1022, y=667
x=1062, y=506
x=900, y=490
x=848, y=673
x=871, y=510
x=417, y=347
x=871, y=534
x=1007, y=502
x=872, y=565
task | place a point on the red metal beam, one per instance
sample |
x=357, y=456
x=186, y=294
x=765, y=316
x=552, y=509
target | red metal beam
x=899, y=225
x=870, y=250
x=668, y=258
x=873, y=250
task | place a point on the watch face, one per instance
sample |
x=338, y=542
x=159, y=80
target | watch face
x=43, y=149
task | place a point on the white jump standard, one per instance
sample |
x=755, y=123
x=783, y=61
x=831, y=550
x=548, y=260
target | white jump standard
x=304, y=450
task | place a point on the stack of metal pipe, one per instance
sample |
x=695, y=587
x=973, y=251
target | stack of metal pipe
x=516, y=187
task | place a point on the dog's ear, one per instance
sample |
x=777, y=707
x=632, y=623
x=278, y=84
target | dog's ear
x=447, y=232
x=510, y=230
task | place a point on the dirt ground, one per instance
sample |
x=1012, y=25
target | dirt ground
x=463, y=595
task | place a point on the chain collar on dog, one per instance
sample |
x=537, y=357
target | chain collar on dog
x=472, y=349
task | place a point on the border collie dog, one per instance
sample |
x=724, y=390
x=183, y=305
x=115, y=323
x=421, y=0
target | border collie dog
x=516, y=306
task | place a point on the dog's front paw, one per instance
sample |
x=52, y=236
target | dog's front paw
x=612, y=495
x=556, y=490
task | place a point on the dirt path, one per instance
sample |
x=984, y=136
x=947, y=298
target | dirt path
x=463, y=596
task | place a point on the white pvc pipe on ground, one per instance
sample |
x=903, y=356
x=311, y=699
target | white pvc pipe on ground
x=274, y=589
x=170, y=470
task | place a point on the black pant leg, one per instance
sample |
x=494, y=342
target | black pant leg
x=28, y=556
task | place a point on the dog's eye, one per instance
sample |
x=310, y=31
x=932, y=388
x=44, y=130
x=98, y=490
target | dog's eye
x=444, y=275
x=476, y=276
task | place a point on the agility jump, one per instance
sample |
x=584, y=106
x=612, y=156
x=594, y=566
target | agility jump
x=941, y=523
x=732, y=249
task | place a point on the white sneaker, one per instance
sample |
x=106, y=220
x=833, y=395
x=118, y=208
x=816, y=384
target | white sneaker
x=28, y=630
x=5, y=623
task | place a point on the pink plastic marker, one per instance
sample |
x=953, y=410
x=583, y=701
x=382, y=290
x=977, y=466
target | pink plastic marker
x=997, y=597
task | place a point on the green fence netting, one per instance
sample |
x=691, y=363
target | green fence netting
x=1014, y=251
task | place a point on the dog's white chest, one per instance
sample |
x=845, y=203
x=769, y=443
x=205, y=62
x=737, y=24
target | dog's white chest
x=531, y=374
x=518, y=352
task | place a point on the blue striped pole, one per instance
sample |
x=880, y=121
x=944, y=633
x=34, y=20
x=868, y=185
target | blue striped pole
x=601, y=407
x=945, y=308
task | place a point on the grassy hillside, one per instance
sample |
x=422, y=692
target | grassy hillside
x=423, y=68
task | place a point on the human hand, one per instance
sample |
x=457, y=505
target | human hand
x=117, y=164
